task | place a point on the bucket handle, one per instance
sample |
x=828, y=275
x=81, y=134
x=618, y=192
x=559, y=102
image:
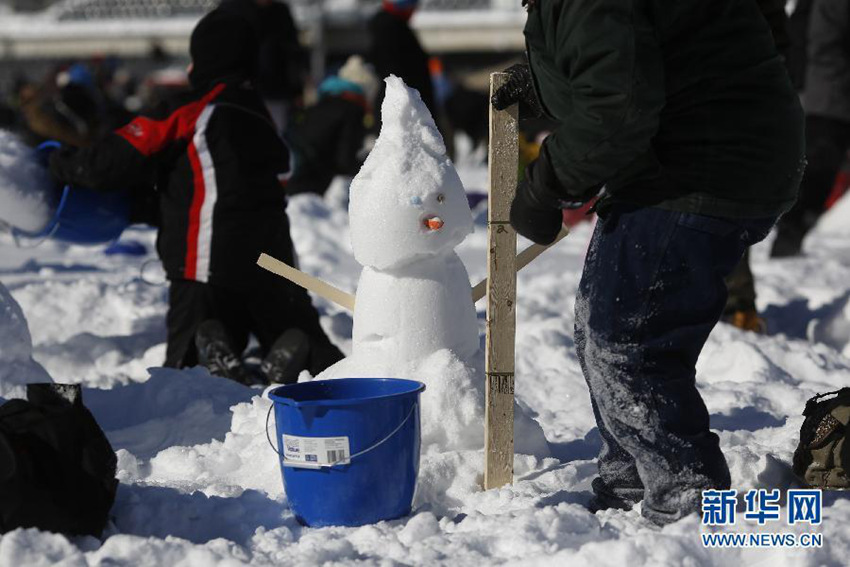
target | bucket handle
x=338, y=461
x=50, y=229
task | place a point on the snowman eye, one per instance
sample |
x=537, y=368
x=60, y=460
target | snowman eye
x=441, y=198
x=415, y=201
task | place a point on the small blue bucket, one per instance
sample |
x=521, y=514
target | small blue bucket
x=348, y=448
x=83, y=216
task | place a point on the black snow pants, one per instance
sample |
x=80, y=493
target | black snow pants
x=651, y=292
x=266, y=309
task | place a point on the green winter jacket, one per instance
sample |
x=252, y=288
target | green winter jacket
x=682, y=104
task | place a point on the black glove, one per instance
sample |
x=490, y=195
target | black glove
x=518, y=89
x=532, y=218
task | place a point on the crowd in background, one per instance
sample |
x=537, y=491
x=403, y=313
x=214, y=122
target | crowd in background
x=330, y=123
x=327, y=122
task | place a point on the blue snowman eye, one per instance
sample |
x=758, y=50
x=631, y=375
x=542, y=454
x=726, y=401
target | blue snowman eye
x=416, y=201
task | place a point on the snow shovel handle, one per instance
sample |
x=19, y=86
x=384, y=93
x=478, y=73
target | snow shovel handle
x=287, y=463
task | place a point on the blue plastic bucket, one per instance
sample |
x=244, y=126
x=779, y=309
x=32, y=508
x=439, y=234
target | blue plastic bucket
x=83, y=216
x=348, y=448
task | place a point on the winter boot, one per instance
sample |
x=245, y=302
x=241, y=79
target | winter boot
x=217, y=355
x=605, y=499
x=287, y=357
x=598, y=503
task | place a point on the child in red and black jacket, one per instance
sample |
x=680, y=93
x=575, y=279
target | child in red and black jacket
x=219, y=168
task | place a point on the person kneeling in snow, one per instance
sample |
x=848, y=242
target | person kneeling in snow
x=685, y=112
x=218, y=166
x=328, y=137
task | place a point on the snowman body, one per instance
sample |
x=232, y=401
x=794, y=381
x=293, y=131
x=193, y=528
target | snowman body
x=421, y=309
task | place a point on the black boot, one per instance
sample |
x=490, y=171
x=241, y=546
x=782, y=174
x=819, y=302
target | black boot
x=604, y=499
x=217, y=355
x=287, y=357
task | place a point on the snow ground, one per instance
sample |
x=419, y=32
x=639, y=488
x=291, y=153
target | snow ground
x=200, y=486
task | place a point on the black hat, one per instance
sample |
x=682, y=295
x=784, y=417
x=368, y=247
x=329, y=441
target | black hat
x=222, y=45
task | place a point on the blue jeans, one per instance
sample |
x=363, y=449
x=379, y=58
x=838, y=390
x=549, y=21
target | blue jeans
x=652, y=290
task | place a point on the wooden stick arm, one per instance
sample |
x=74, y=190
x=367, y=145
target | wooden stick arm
x=308, y=282
x=346, y=300
x=523, y=259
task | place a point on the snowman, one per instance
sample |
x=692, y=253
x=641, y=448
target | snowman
x=414, y=316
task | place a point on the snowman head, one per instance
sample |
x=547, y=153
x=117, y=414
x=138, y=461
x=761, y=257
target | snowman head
x=407, y=201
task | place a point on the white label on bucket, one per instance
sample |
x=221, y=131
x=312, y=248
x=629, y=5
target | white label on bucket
x=316, y=451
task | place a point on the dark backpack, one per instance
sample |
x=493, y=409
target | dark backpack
x=57, y=469
x=822, y=459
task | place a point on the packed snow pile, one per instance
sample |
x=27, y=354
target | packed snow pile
x=414, y=317
x=25, y=185
x=17, y=368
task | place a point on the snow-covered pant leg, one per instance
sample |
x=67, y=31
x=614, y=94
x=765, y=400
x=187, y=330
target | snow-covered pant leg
x=652, y=290
x=618, y=482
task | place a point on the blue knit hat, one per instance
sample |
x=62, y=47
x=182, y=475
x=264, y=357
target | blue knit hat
x=336, y=86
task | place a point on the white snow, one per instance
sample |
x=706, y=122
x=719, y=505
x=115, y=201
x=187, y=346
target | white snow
x=25, y=185
x=200, y=486
x=834, y=220
x=17, y=368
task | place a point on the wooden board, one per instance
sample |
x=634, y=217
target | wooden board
x=523, y=259
x=308, y=282
x=501, y=296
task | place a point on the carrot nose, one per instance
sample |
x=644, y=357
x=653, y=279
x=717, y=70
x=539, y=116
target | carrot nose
x=434, y=223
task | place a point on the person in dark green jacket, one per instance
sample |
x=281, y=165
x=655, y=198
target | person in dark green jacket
x=740, y=309
x=681, y=114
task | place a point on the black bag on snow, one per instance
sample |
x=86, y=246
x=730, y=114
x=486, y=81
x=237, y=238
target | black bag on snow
x=822, y=459
x=57, y=469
